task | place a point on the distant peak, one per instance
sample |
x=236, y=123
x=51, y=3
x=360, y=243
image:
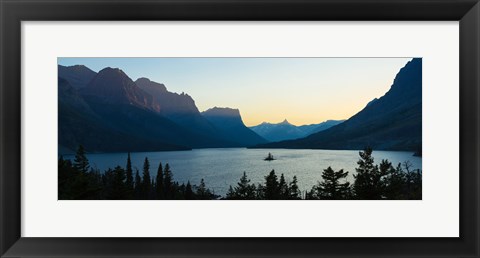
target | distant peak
x=111, y=70
x=284, y=122
x=143, y=79
x=222, y=111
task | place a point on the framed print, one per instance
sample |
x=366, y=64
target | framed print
x=239, y=128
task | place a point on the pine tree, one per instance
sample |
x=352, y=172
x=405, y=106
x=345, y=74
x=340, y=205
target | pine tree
x=189, y=192
x=244, y=190
x=271, y=190
x=146, y=180
x=231, y=194
x=331, y=188
x=283, y=188
x=413, y=181
x=368, y=183
x=160, y=191
x=294, y=191
x=118, y=188
x=129, y=173
x=168, y=183
x=202, y=192
x=138, y=186
x=260, y=192
x=81, y=161
x=394, y=181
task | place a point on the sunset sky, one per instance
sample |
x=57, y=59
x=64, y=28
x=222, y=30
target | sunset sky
x=301, y=90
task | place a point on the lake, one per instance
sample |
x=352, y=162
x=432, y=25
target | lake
x=221, y=168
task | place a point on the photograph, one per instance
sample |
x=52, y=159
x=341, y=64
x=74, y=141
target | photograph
x=239, y=128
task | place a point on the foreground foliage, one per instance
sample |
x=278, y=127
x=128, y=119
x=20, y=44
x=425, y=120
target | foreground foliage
x=78, y=181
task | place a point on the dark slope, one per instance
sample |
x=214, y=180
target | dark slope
x=79, y=124
x=113, y=114
x=113, y=86
x=393, y=122
x=78, y=75
x=180, y=108
x=230, y=125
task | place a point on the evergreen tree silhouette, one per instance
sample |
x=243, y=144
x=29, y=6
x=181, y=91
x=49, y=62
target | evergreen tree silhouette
x=283, y=188
x=138, y=186
x=118, y=188
x=202, y=192
x=146, y=180
x=331, y=188
x=168, y=183
x=129, y=172
x=189, y=192
x=81, y=161
x=271, y=190
x=394, y=181
x=368, y=183
x=294, y=191
x=160, y=191
x=243, y=191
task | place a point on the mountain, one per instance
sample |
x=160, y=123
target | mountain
x=392, y=122
x=78, y=76
x=230, y=125
x=171, y=103
x=315, y=128
x=179, y=108
x=78, y=123
x=113, y=113
x=286, y=131
x=113, y=86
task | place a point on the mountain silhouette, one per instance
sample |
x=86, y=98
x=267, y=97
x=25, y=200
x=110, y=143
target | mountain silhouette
x=286, y=131
x=179, y=108
x=113, y=113
x=392, y=122
x=79, y=123
x=78, y=76
x=230, y=125
x=113, y=86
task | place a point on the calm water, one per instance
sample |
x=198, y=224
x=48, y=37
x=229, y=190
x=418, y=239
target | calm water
x=223, y=167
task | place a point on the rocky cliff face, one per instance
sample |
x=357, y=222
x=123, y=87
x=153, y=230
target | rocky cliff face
x=111, y=112
x=78, y=76
x=230, y=124
x=112, y=85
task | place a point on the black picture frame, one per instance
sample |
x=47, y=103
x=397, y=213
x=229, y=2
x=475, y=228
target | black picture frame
x=13, y=12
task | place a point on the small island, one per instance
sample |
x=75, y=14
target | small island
x=269, y=157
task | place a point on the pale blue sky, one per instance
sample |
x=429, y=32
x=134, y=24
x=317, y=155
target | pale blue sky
x=301, y=90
